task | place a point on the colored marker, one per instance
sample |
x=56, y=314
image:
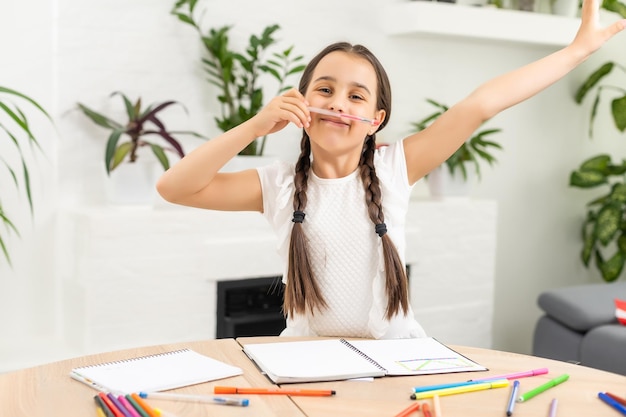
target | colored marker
x=149, y=410
x=136, y=405
x=196, y=398
x=541, y=388
x=128, y=406
x=620, y=400
x=105, y=399
x=461, y=389
x=373, y=122
x=119, y=405
x=101, y=404
x=553, y=405
x=274, y=391
x=409, y=410
x=426, y=410
x=611, y=402
x=448, y=385
x=516, y=375
x=509, y=408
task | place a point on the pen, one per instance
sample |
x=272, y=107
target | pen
x=541, y=388
x=461, y=389
x=407, y=411
x=275, y=391
x=515, y=375
x=553, y=405
x=448, y=385
x=373, y=122
x=196, y=398
x=611, y=402
x=509, y=408
x=620, y=400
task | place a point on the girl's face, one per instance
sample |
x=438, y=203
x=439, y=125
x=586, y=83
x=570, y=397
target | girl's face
x=344, y=83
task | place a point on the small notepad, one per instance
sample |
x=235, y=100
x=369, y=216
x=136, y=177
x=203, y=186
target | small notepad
x=158, y=372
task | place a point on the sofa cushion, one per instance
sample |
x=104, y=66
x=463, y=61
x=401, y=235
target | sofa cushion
x=583, y=307
x=552, y=340
x=605, y=348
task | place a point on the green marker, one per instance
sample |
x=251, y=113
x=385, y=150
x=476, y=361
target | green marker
x=541, y=388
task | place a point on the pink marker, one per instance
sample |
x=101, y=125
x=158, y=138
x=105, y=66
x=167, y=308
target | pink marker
x=373, y=122
x=540, y=371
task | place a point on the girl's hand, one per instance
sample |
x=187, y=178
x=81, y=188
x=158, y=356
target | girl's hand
x=289, y=107
x=591, y=36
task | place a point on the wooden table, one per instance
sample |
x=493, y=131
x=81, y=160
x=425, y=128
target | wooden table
x=47, y=390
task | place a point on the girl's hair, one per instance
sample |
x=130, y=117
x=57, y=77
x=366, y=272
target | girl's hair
x=302, y=291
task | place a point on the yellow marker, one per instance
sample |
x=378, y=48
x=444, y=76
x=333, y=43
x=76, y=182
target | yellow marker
x=500, y=383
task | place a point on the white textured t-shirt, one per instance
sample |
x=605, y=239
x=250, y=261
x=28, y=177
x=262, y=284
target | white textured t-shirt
x=345, y=251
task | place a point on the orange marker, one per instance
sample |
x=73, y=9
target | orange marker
x=407, y=411
x=151, y=411
x=620, y=400
x=426, y=410
x=275, y=391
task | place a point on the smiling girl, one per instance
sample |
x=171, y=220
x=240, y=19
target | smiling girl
x=339, y=211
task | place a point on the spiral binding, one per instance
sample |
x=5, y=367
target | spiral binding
x=138, y=358
x=363, y=355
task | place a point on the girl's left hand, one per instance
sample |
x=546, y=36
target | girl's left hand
x=591, y=35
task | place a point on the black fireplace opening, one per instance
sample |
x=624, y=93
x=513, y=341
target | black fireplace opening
x=250, y=307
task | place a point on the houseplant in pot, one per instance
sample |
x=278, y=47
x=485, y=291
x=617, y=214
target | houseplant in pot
x=604, y=227
x=454, y=175
x=15, y=130
x=127, y=139
x=238, y=75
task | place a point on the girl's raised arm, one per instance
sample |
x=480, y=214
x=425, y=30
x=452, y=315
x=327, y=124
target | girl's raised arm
x=430, y=147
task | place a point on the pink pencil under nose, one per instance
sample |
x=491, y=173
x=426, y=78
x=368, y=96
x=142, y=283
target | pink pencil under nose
x=373, y=122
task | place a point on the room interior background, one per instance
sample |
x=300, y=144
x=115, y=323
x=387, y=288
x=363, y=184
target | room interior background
x=64, y=51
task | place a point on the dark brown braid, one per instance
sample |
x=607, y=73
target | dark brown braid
x=302, y=292
x=395, y=273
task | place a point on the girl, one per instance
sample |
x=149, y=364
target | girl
x=339, y=211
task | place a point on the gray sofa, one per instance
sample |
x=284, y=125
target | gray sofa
x=579, y=325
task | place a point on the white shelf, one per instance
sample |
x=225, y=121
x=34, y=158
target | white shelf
x=448, y=19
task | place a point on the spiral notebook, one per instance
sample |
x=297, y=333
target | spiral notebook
x=159, y=372
x=336, y=359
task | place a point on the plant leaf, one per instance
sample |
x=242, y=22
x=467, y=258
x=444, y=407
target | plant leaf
x=592, y=80
x=111, y=147
x=98, y=118
x=160, y=154
x=120, y=154
x=612, y=268
x=608, y=222
x=618, y=108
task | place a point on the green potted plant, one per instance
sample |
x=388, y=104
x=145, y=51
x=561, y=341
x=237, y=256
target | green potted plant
x=604, y=227
x=471, y=153
x=142, y=122
x=238, y=75
x=15, y=127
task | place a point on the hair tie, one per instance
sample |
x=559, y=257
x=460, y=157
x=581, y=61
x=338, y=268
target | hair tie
x=298, y=216
x=381, y=229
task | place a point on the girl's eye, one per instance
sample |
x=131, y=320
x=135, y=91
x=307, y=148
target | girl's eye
x=324, y=90
x=356, y=97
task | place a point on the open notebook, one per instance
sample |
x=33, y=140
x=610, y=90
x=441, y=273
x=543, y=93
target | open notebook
x=158, y=372
x=336, y=359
